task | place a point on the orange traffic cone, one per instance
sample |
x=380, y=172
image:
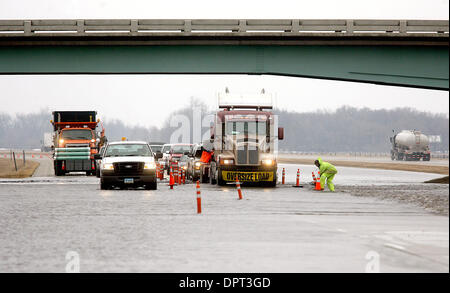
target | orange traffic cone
x=238, y=185
x=297, y=181
x=171, y=179
x=199, y=199
x=184, y=176
x=161, y=174
x=283, y=176
x=318, y=186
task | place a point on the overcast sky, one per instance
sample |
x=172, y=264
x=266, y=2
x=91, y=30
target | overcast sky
x=154, y=96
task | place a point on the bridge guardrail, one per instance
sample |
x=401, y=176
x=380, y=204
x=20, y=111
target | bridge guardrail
x=239, y=26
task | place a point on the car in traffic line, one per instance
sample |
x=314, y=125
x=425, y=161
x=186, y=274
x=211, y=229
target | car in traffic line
x=164, y=161
x=157, y=149
x=127, y=163
x=177, y=151
x=197, y=170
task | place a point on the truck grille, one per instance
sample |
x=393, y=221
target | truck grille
x=247, y=156
x=253, y=157
x=77, y=145
x=124, y=168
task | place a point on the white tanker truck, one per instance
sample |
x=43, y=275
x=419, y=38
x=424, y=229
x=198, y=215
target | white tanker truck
x=410, y=145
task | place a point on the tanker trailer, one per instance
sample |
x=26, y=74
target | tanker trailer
x=410, y=145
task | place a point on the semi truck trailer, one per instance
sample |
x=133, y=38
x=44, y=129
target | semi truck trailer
x=410, y=145
x=76, y=141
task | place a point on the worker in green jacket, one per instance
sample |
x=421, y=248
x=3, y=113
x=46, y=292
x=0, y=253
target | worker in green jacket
x=327, y=172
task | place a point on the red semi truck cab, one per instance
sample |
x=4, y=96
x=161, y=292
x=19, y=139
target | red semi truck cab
x=245, y=134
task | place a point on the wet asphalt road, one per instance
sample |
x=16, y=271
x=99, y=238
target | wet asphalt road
x=271, y=230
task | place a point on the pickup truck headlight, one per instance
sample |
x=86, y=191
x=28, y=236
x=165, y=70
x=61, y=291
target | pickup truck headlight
x=268, y=162
x=108, y=166
x=150, y=165
x=197, y=165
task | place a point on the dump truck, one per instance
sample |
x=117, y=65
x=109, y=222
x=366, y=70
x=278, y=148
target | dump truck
x=410, y=145
x=245, y=136
x=76, y=141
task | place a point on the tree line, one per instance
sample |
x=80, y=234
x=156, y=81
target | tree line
x=347, y=129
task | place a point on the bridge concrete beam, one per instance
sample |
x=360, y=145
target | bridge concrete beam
x=411, y=66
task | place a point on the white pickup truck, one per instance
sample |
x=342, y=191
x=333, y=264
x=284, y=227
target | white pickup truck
x=127, y=163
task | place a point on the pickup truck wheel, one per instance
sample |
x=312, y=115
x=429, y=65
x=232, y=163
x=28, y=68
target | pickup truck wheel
x=104, y=186
x=151, y=186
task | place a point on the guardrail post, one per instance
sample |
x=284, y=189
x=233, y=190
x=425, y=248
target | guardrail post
x=403, y=24
x=15, y=164
x=187, y=26
x=134, y=26
x=24, y=157
x=295, y=26
x=242, y=25
x=80, y=26
x=349, y=26
x=27, y=27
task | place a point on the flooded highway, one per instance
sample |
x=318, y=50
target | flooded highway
x=281, y=229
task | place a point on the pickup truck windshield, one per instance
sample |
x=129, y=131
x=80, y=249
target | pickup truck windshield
x=181, y=149
x=156, y=148
x=128, y=150
x=76, y=134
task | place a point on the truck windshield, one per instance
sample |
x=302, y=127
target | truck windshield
x=156, y=148
x=76, y=134
x=181, y=149
x=165, y=149
x=128, y=150
x=246, y=127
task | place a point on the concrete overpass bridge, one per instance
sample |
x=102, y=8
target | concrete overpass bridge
x=412, y=53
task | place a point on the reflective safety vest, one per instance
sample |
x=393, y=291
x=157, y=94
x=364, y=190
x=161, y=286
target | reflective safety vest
x=206, y=157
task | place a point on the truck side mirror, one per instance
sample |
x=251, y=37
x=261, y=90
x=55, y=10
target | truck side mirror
x=97, y=157
x=211, y=132
x=280, y=133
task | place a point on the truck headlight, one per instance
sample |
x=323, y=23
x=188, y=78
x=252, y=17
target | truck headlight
x=108, y=166
x=197, y=165
x=150, y=165
x=226, y=161
x=268, y=162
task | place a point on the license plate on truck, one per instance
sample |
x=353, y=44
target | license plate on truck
x=128, y=180
x=247, y=176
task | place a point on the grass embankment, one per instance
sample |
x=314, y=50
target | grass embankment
x=7, y=169
x=373, y=165
x=442, y=180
